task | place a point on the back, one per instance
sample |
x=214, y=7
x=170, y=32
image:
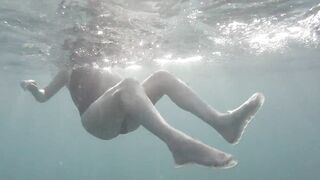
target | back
x=87, y=84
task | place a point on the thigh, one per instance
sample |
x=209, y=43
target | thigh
x=105, y=116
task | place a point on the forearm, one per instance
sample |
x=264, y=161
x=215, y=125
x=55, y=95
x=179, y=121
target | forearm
x=42, y=95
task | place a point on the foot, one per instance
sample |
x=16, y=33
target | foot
x=190, y=151
x=233, y=123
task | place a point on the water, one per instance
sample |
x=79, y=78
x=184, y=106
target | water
x=225, y=50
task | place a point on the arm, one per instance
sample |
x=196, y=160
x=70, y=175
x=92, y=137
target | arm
x=42, y=95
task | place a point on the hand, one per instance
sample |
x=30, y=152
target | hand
x=29, y=85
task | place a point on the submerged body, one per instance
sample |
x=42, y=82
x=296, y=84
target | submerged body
x=86, y=85
x=110, y=105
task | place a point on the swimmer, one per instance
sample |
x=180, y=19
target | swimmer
x=110, y=105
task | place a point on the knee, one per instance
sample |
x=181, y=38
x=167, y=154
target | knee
x=129, y=87
x=130, y=94
x=129, y=83
x=163, y=76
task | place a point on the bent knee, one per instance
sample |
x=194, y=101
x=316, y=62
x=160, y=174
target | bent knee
x=162, y=76
x=129, y=87
x=164, y=79
x=130, y=94
x=129, y=83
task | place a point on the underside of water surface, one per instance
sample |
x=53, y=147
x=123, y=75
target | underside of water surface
x=225, y=50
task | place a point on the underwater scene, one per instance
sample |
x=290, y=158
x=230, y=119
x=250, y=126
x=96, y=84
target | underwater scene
x=224, y=50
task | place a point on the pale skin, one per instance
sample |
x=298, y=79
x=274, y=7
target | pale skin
x=134, y=102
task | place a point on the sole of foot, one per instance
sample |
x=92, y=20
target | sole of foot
x=191, y=151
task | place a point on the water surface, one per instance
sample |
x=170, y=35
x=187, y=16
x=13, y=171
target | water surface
x=225, y=50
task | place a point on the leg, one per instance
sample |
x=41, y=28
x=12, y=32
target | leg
x=184, y=149
x=129, y=98
x=230, y=125
x=105, y=116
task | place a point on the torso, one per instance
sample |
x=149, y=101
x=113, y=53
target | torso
x=87, y=84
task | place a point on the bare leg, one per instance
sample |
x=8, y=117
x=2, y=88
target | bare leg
x=230, y=125
x=138, y=106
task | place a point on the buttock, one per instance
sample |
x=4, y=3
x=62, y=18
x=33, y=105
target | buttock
x=102, y=128
x=106, y=119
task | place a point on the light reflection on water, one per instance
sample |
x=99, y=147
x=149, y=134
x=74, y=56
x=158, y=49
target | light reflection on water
x=121, y=32
x=224, y=50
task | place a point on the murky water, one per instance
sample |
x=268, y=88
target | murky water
x=225, y=50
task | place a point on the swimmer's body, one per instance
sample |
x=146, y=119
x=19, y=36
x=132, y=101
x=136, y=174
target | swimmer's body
x=110, y=105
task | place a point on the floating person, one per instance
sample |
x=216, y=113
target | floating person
x=110, y=105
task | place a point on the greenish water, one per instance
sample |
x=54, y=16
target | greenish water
x=274, y=50
x=47, y=141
